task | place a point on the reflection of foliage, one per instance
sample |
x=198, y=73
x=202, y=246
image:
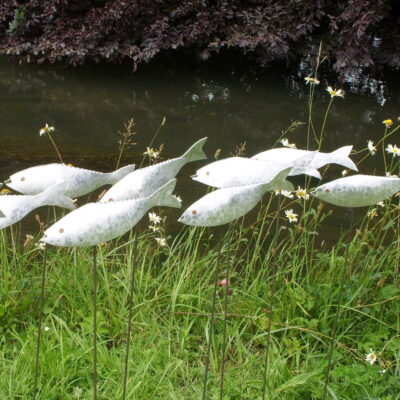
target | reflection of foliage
x=354, y=33
x=19, y=16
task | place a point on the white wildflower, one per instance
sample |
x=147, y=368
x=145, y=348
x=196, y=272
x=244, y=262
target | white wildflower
x=393, y=150
x=46, y=129
x=285, y=193
x=335, y=92
x=302, y=193
x=312, y=81
x=151, y=153
x=161, y=241
x=370, y=357
x=291, y=216
x=154, y=218
x=371, y=147
x=285, y=142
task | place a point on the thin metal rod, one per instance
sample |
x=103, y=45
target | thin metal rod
x=95, y=322
x=130, y=308
x=271, y=305
x=39, y=331
x=228, y=265
x=335, y=324
x=212, y=322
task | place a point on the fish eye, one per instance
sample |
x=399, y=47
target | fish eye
x=61, y=230
x=208, y=173
x=327, y=190
x=110, y=199
x=194, y=212
x=22, y=178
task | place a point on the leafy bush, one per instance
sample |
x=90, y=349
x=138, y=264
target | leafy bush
x=355, y=33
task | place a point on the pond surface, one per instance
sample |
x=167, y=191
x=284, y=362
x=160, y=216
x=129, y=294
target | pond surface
x=89, y=105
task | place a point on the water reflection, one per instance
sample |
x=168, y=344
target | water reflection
x=88, y=105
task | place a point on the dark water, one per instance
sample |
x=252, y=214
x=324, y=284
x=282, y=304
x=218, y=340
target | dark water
x=88, y=106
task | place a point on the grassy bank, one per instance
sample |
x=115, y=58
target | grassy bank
x=172, y=302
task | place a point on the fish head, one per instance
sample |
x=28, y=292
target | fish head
x=191, y=216
x=59, y=234
x=26, y=182
x=324, y=192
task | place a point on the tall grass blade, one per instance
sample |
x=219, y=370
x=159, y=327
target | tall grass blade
x=271, y=303
x=39, y=331
x=130, y=308
x=211, y=328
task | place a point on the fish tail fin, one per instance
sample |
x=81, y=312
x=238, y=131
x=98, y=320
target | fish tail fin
x=314, y=173
x=304, y=164
x=164, y=197
x=120, y=173
x=196, y=152
x=279, y=182
x=54, y=196
x=341, y=157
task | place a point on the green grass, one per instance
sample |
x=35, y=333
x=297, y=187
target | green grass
x=172, y=302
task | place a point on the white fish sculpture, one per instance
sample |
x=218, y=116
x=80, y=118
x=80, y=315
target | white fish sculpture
x=80, y=181
x=95, y=223
x=144, y=181
x=225, y=205
x=285, y=154
x=16, y=207
x=238, y=171
x=357, y=190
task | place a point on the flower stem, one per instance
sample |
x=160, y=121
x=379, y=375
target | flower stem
x=55, y=147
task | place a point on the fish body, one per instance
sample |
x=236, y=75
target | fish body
x=80, y=181
x=142, y=182
x=95, y=223
x=357, y=190
x=227, y=204
x=15, y=207
x=285, y=154
x=238, y=171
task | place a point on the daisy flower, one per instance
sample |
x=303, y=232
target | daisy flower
x=302, y=193
x=372, y=213
x=154, y=218
x=310, y=80
x=371, y=147
x=285, y=142
x=370, y=357
x=161, y=241
x=285, y=193
x=151, y=153
x=393, y=149
x=335, y=92
x=46, y=129
x=291, y=216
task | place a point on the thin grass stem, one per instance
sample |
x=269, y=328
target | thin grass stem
x=130, y=308
x=95, y=322
x=39, y=331
x=212, y=322
x=335, y=323
x=271, y=304
x=228, y=269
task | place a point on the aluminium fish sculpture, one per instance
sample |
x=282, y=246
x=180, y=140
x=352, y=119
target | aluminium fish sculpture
x=144, y=181
x=95, y=223
x=357, y=190
x=80, y=181
x=238, y=171
x=16, y=207
x=285, y=154
x=227, y=204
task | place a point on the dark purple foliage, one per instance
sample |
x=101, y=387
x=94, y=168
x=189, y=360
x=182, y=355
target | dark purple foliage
x=354, y=33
